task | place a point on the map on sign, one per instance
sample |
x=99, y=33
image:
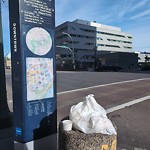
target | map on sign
x=38, y=41
x=39, y=74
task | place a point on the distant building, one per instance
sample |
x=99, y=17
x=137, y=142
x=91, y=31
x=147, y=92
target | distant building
x=8, y=61
x=92, y=43
x=143, y=61
x=143, y=57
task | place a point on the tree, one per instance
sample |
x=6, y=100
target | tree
x=147, y=59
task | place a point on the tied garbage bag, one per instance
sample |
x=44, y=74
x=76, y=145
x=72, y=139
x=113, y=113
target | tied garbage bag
x=89, y=117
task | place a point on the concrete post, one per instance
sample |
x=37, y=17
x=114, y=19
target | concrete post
x=76, y=140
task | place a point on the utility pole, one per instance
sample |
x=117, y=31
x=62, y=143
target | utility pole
x=5, y=114
x=95, y=56
x=74, y=63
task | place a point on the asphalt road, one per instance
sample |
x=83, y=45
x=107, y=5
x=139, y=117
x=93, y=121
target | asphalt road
x=132, y=122
x=111, y=89
x=75, y=80
x=133, y=126
x=67, y=81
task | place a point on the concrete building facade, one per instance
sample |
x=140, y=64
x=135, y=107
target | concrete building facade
x=89, y=41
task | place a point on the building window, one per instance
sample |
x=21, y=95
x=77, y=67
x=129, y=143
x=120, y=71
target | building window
x=71, y=28
x=129, y=37
x=108, y=45
x=89, y=43
x=98, y=38
x=105, y=33
x=128, y=47
x=112, y=40
x=87, y=30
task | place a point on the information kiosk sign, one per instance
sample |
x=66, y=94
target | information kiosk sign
x=32, y=24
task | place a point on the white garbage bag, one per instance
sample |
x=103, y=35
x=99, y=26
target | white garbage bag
x=89, y=117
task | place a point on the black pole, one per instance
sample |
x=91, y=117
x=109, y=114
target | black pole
x=95, y=56
x=5, y=114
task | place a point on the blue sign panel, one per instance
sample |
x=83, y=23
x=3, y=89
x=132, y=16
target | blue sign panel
x=33, y=68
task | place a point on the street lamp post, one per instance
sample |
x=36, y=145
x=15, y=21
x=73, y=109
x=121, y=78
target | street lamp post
x=74, y=66
x=95, y=56
x=5, y=114
x=66, y=47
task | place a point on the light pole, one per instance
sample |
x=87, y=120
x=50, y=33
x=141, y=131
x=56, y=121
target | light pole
x=95, y=55
x=68, y=48
x=5, y=114
x=74, y=66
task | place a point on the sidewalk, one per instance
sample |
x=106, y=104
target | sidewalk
x=6, y=139
x=132, y=128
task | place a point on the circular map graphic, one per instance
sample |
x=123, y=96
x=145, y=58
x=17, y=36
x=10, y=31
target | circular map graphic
x=38, y=41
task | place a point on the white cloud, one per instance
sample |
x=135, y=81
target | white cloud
x=71, y=10
x=142, y=14
x=139, y=5
x=126, y=8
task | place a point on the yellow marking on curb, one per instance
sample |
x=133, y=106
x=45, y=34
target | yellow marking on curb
x=105, y=147
x=114, y=144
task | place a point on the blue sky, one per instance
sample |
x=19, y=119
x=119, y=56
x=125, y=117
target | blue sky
x=131, y=16
x=5, y=26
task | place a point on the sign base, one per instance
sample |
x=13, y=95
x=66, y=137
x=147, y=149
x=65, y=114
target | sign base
x=46, y=143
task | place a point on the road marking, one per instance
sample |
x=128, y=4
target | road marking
x=68, y=72
x=128, y=104
x=10, y=101
x=136, y=149
x=115, y=83
x=139, y=149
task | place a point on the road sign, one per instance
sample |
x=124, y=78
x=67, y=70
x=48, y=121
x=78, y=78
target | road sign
x=33, y=68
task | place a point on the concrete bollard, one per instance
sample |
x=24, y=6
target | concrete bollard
x=76, y=140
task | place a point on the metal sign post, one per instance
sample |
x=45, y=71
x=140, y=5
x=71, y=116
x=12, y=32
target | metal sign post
x=32, y=24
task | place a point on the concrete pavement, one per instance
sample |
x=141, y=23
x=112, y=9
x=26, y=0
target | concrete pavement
x=108, y=96
x=6, y=139
x=131, y=134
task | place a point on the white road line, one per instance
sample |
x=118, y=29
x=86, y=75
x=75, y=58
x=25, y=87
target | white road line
x=128, y=104
x=68, y=72
x=139, y=149
x=115, y=83
x=136, y=149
